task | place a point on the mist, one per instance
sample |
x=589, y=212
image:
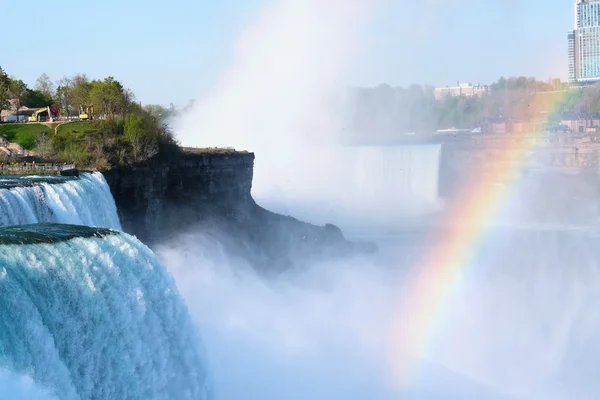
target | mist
x=320, y=333
x=518, y=326
x=521, y=324
x=284, y=97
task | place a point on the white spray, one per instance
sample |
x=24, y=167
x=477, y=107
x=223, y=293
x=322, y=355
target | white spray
x=283, y=98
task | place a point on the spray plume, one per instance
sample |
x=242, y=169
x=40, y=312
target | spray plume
x=279, y=99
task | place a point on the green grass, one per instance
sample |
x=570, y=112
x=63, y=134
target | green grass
x=78, y=129
x=73, y=133
x=24, y=134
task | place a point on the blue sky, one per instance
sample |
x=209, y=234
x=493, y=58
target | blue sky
x=173, y=51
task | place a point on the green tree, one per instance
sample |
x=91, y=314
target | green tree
x=4, y=98
x=571, y=101
x=80, y=92
x=157, y=111
x=36, y=99
x=4, y=93
x=64, y=96
x=134, y=132
x=108, y=97
x=4, y=79
x=17, y=91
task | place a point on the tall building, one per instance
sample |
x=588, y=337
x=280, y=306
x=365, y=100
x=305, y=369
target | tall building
x=584, y=43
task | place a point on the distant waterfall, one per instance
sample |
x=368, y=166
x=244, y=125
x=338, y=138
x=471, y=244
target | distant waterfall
x=91, y=315
x=364, y=185
x=82, y=201
x=400, y=179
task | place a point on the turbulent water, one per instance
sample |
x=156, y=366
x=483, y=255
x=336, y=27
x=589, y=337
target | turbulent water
x=520, y=322
x=81, y=201
x=89, y=313
x=92, y=314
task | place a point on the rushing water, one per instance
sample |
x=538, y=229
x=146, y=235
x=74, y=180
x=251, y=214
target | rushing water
x=81, y=201
x=91, y=314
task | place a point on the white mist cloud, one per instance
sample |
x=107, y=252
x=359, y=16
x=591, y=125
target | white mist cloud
x=282, y=97
x=288, y=66
x=320, y=333
x=521, y=324
x=323, y=333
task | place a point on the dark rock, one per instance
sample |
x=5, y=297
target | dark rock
x=70, y=172
x=160, y=199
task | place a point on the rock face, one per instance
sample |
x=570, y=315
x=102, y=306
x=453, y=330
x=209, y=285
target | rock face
x=160, y=199
x=557, y=183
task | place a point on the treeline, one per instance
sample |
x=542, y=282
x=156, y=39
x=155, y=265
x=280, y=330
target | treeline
x=120, y=130
x=15, y=94
x=391, y=111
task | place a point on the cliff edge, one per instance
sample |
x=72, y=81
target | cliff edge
x=160, y=199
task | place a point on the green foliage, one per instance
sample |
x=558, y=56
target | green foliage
x=37, y=99
x=24, y=134
x=17, y=91
x=571, y=100
x=134, y=127
x=4, y=79
x=80, y=92
x=108, y=97
x=4, y=96
x=119, y=130
x=385, y=112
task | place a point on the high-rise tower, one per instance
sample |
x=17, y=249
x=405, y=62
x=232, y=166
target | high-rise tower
x=584, y=43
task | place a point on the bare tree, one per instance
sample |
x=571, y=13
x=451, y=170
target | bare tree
x=64, y=96
x=43, y=144
x=45, y=85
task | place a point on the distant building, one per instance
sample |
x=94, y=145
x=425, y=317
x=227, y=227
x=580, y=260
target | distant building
x=461, y=89
x=581, y=123
x=11, y=115
x=584, y=44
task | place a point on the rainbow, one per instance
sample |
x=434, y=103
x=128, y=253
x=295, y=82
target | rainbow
x=441, y=271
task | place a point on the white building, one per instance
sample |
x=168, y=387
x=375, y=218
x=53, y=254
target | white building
x=461, y=89
x=584, y=43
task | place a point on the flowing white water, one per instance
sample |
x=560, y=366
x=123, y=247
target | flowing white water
x=352, y=185
x=96, y=318
x=83, y=201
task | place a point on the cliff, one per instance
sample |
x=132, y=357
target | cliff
x=160, y=199
x=549, y=182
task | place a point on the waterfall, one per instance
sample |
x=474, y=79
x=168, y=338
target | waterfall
x=92, y=314
x=81, y=201
x=351, y=185
x=397, y=178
